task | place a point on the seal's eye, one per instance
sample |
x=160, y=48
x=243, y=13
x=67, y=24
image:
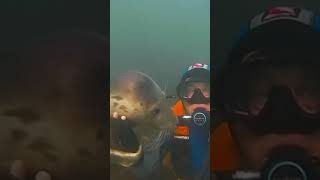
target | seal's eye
x=156, y=111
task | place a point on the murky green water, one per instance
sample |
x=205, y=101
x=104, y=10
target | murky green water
x=159, y=37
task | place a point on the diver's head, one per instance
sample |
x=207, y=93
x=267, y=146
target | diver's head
x=194, y=88
x=270, y=91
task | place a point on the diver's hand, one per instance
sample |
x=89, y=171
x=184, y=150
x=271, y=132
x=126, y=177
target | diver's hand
x=118, y=116
x=18, y=171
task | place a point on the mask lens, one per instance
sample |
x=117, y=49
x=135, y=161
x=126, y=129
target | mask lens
x=249, y=90
x=307, y=95
x=189, y=89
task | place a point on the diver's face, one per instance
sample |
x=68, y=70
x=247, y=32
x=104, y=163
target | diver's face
x=253, y=148
x=205, y=89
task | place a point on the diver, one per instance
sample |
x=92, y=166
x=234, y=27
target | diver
x=190, y=146
x=269, y=98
